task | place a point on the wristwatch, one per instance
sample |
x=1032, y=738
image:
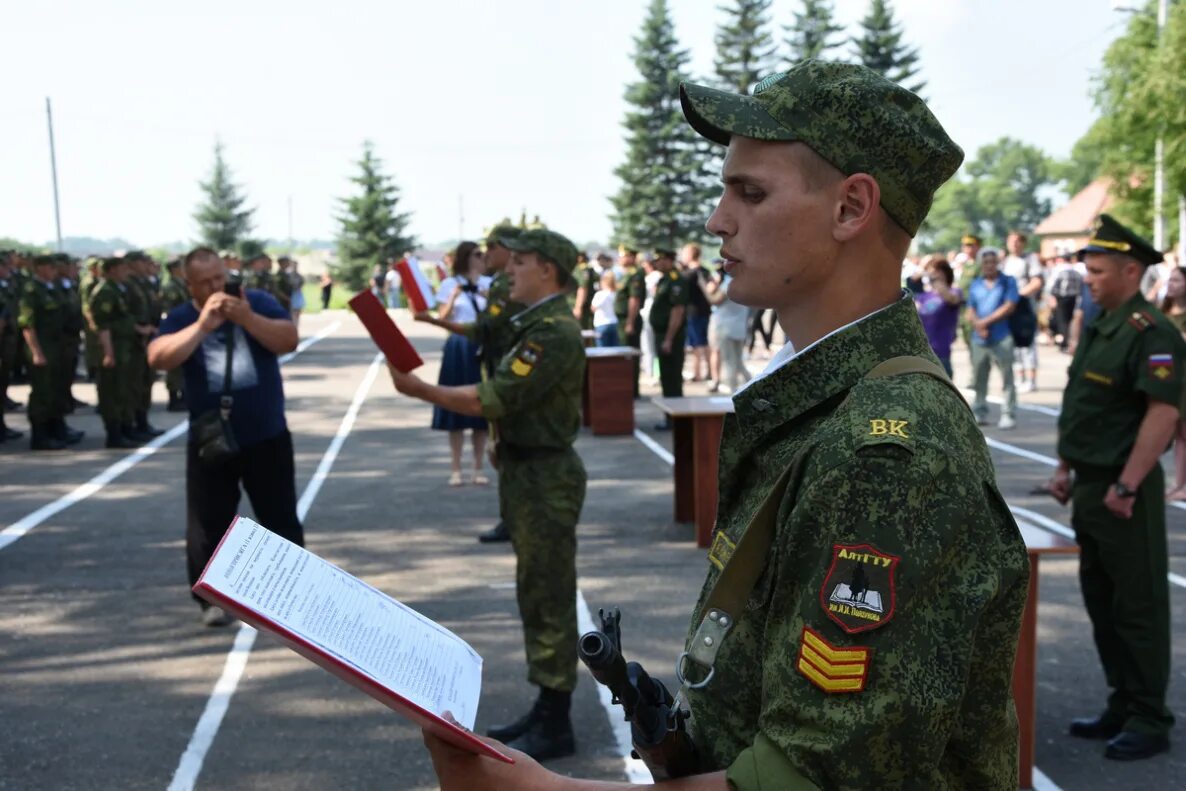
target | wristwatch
x=1123, y=491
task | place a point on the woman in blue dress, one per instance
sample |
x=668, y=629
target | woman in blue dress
x=460, y=299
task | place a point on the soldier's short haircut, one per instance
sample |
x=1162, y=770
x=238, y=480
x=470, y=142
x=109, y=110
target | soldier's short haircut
x=200, y=254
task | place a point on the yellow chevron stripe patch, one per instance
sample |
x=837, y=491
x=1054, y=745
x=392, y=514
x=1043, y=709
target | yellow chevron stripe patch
x=831, y=654
x=832, y=669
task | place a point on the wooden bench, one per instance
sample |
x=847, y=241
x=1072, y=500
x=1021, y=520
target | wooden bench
x=607, y=402
x=696, y=424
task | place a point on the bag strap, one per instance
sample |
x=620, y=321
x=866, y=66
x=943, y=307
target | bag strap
x=226, y=400
x=748, y=558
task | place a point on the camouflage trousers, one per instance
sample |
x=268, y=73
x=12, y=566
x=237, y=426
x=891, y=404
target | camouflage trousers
x=541, y=499
x=115, y=403
x=140, y=376
x=45, y=401
x=7, y=362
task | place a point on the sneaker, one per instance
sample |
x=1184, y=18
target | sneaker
x=1007, y=422
x=216, y=616
x=1030, y=387
x=982, y=420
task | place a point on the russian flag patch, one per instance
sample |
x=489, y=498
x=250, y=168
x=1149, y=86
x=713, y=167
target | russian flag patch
x=1161, y=365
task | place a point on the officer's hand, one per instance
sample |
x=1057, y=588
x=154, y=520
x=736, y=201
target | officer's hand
x=237, y=310
x=108, y=360
x=665, y=347
x=629, y=328
x=39, y=360
x=422, y=315
x=458, y=770
x=1120, y=507
x=404, y=383
x=1060, y=486
x=212, y=317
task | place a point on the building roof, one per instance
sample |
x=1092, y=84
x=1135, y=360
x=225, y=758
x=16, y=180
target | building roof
x=1079, y=213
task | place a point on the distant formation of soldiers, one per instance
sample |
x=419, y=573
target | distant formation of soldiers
x=50, y=316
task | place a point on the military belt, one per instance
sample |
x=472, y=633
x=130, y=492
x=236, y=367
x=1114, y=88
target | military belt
x=512, y=452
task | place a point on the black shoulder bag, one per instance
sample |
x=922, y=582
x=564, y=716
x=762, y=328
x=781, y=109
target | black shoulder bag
x=212, y=429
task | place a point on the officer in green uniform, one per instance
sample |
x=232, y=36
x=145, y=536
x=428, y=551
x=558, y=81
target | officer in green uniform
x=873, y=612
x=259, y=273
x=175, y=292
x=92, y=278
x=282, y=283
x=9, y=305
x=115, y=333
x=586, y=280
x=71, y=294
x=1119, y=413
x=534, y=398
x=42, y=319
x=145, y=310
x=493, y=332
x=668, y=310
x=628, y=299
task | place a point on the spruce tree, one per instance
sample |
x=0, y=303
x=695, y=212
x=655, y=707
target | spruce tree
x=744, y=46
x=880, y=47
x=372, y=231
x=222, y=220
x=667, y=188
x=813, y=33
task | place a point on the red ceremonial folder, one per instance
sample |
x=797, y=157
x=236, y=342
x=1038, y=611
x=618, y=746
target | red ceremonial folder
x=455, y=735
x=419, y=292
x=393, y=343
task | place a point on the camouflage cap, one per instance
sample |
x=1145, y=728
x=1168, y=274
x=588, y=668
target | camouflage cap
x=502, y=231
x=548, y=245
x=848, y=114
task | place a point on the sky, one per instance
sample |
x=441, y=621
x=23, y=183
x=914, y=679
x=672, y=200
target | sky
x=478, y=108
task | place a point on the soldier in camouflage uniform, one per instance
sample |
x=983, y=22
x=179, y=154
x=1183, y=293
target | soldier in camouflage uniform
x=628, y=299
x=9, y=304
x=492, y=332
x=586, y=280
x=175, y=292
x=117, y=339
x=668, y=318
x=42, y=319
x=92, y=278
x=872, y=645
x=534, y=398
x=282, y=283
x=258, y=274
x=1119, y=413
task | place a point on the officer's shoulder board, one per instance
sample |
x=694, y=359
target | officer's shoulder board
x=879, y=421
x=1142, y=320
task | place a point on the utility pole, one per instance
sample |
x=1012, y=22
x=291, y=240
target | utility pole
x=1159, y=154
x=53, y=168
x=460, y=217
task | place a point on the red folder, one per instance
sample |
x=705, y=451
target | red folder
x=438, y=726
x=419, y=293
x=393, y=343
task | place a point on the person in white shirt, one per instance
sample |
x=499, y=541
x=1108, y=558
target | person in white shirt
x=460, y=300
x=649, y=347
x=726, y=337
x=605, y=321
x=1027, y=271
x=391, y=285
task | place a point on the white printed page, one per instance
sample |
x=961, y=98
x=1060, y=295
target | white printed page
x=394, y=645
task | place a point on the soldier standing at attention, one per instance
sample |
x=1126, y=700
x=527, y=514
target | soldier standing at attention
x=631, y=293
x=71, y=294
x=282, y=283
x=586, y=277
x=145, y=309
x=175, y=292
x=9, y=305
x=115, y=333
x=1119, y=412
x=42, y=321
x=534, y=398
x=259, y=273
x=493, y=332
x=92, y=278
x=841, y=452
x=668, y=311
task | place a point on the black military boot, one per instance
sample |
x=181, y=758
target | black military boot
x=7, y=433
x=66, y=434
x=549, y=734
x=42, y=438
x=176, y=402
x=129, y=431
x=144, y=427
x=500, y=532
x=116, y=437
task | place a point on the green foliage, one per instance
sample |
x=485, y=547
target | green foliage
x=372, y=230
x=880, y=47
x=1002, y=189
x=222, y=220
x=745, y=48
x=813, y=33
x=667, y=186
x=1086, y=161
x=8, y=243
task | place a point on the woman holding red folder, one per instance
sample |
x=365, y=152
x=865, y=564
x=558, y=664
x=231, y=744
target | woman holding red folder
x=459, y=300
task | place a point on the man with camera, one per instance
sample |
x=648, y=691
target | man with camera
x=226, y=339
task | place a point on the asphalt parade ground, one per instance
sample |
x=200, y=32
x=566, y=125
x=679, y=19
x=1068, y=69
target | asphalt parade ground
x=108, y=680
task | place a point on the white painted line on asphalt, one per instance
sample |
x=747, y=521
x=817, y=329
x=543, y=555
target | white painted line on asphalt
x=1042, y=782
x=1045, y=410
x=22, y=526
x=1042, y=521
x=636, y=770
x=190, y=765
x=654, y=447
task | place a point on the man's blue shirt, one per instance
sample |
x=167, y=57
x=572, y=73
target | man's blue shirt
x=984, y=299
x=258, y=411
